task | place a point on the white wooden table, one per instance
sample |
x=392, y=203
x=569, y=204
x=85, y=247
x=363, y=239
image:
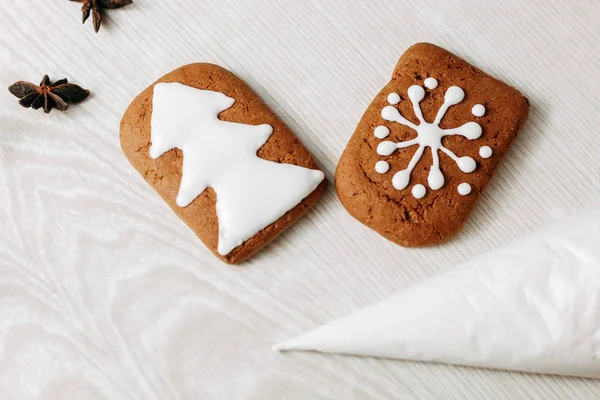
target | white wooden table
x=105, y=294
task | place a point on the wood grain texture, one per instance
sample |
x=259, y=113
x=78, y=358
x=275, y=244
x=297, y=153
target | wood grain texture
x=105, y=294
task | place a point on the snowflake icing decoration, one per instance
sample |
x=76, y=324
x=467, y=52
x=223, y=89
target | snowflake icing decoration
x=429, y=135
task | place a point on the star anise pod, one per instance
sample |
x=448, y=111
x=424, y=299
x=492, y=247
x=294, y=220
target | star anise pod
x=95, y=7
x=48, y=95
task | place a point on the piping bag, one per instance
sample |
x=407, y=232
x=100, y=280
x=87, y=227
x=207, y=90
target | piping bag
x=531, y=306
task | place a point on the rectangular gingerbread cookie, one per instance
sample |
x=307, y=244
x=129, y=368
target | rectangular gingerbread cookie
x=427, y=147
x=220, y=158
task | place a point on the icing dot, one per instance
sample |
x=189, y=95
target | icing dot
x=478, y=110
x=382, y=167
x=386, y=148
x=390, y=113
x=431, y=83
x=464, y=189
x=416, y=93
x=471, y=130
x=418, y=191
x=381, y=132
x=435, y=178
x=393, y=98
x=466, y=164
x=454, y=95
x=485, y=151
x=401, y=179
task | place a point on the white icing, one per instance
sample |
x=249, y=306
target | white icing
x=464, y=189
x=381, y=132
x=478, y=110
x=382, y=167
x=485, y=151
x=531, y=306
x=393, y=98
x=386, y=148
x=252, y=193
x=429, y=135
x=430, y=83
x=419, y=191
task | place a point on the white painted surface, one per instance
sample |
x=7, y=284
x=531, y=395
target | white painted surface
x=105, y=294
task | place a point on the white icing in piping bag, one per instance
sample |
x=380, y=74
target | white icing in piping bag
x=532, y=306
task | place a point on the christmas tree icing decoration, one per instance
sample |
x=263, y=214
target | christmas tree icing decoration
x=252, y=193
x=532, y=306
x=429, y=134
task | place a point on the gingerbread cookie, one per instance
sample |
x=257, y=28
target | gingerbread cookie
x=220, y=158
x=427, y=147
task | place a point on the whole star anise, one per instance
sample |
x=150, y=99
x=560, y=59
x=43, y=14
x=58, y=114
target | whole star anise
x=48, y=95
x=95, y=8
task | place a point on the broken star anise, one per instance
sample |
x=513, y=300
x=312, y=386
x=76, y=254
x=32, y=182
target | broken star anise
x=47, y=95
x=95, y=8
